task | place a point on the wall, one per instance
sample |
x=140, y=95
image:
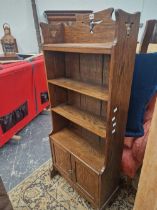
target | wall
x=95, y=5
x=19, y=14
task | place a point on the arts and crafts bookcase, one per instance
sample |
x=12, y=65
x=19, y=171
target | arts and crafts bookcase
x=89, y=76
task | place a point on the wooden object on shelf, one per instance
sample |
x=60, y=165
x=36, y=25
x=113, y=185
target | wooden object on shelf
x=149, y=36
x=8, y=42
x=89, y=77
x=147, y=190
x=64, y=16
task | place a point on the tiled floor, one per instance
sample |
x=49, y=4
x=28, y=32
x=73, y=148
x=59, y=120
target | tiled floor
x=18, y=159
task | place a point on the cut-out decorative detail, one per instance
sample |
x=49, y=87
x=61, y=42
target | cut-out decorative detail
x=113, y=119
x=53, y=33
x=115, y=110
x=113, y=131
x=103, y=168
x=128, y=27
x=114, y=124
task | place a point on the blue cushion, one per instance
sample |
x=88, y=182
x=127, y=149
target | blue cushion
x=144, y=86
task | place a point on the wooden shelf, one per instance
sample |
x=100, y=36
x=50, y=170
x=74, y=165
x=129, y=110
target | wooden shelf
x=95, y=48
x=90, y=122
x=80, y=148
x=94, y=91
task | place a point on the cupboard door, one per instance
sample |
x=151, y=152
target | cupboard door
x=85, y=179
x=62, y=160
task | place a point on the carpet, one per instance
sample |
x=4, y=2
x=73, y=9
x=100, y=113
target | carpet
x=39, y=192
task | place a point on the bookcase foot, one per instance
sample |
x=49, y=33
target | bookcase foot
x=53, y=172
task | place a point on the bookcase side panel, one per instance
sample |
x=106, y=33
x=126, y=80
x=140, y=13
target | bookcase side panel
x=121, y=73
x=55, y=64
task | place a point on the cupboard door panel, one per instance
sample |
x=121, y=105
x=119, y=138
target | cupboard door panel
x=86, y=179
x=62, y=160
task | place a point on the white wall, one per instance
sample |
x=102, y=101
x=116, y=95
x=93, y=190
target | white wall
x=95, y=5
x=18, y=13
x=148, y=8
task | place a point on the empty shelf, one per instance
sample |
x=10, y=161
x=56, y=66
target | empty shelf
x=80, y=148
x=96, y=48
x=95, y=91
x=90, y=122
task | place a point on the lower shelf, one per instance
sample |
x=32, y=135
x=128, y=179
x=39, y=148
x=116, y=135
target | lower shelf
x=79, y=147
x=90, y=122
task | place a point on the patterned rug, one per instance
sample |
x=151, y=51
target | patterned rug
x=39, y=192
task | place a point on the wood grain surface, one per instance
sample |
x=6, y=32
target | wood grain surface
x=96, y=48
x=94, y=91
x=89, y=121
x=89, y=77
x=80, y=148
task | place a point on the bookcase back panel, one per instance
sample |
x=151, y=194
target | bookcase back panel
x=83, y=35
x=87, y=103
x=92, y=106
x=88, y=68
x=72, y=65
x=91, y=67
x=60, y=95
x=97, y=142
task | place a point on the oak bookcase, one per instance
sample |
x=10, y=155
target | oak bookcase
x=89, y=77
